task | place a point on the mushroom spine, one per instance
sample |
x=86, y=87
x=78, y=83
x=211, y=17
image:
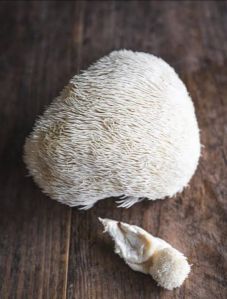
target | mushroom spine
x=148, y=254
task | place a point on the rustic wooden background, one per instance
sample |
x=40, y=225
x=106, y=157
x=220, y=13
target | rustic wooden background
x=50, y=251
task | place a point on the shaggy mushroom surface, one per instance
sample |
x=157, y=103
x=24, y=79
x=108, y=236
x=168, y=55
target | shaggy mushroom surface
x=124, y=127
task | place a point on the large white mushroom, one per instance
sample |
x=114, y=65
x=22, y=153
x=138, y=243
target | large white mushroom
x=125, y=127
x=148, y=254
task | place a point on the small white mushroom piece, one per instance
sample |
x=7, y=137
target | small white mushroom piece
x=148, y=254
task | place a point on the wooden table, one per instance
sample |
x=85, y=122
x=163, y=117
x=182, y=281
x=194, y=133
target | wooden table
x=48, y=250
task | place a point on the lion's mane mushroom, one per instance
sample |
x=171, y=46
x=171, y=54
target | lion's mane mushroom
x=148, y=254
x=124, y=127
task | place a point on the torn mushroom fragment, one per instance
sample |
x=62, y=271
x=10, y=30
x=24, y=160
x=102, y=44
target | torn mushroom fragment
x=148, y=254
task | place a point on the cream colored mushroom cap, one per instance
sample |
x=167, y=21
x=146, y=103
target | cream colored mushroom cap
x=124, y=127
x=170, y=268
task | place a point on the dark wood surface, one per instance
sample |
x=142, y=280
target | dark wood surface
x=50, y=251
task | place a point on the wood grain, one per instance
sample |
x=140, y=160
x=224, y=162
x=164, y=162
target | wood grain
x=35, y=231
x=50, y=251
